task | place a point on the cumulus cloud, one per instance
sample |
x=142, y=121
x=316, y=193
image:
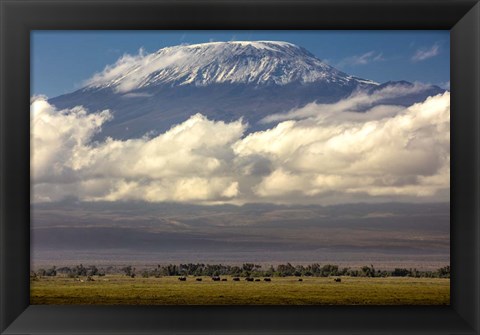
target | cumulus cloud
x=426, y=53
x=406, y=154
x=60, y=139
x=323, y=154
x=185, y=163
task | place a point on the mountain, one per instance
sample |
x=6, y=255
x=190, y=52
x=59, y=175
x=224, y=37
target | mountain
x=221, y=80
x=252, y=63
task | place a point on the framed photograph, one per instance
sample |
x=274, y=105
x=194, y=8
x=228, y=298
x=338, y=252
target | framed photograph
x=249, y=167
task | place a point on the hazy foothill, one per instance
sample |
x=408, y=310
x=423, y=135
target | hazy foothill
x=202, y=165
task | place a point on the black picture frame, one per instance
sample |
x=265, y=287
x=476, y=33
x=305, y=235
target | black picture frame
x=19, y=17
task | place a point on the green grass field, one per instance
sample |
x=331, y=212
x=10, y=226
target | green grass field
x=122, y=290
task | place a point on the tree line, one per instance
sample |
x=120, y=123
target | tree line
x=245, y=270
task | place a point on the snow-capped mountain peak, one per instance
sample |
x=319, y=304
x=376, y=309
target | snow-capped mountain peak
x=224, y=81
x=236, y=62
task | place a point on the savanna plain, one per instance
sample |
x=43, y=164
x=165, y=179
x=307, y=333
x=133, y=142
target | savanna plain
x=169, y=290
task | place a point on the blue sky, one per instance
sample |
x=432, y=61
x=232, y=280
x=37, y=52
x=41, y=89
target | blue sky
x=62, y=60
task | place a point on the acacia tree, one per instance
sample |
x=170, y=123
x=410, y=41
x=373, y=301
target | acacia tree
x=127, y=270
x=444, y=272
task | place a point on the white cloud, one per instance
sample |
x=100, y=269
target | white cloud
x=130, y=71
x=445, y=85
x=366, y=58
x=322, y=154
x=426, y=53
x=359, y=101
x=136, y=95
